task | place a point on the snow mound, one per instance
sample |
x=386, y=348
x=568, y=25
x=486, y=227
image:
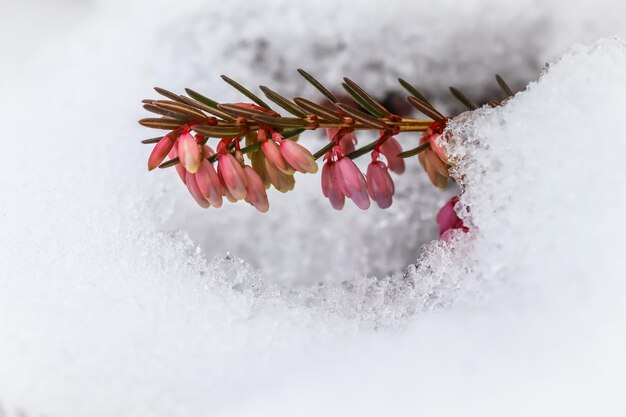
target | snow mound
x=108, y=306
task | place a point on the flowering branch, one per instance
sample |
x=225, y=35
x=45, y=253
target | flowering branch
x=272, y=149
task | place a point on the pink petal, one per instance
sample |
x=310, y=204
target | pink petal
x=326, y=178
x=229, y=196
x=272, y=153
x=255, y=192
x=232, y=176
x=159, y=152
x=333, y=191
x=192, y=186
x=447, y=218
x=209, y=184
x=353, y=183
x=189, y=153
x=281, y=181
x=391, y=148
x=379, y=184
x=298, y=157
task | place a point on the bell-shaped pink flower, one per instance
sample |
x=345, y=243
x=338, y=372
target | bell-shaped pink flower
x=380, y=186
x=298, y=157
x=391, y=148
x=255, y=191
x=193, y=188
x=189, y=152
x=209, y=183
x=330, y=186
x=352, y=182
x=347, y=143
x=160, y=151
x=232, y=175
x=448, y=220
x=273, y=154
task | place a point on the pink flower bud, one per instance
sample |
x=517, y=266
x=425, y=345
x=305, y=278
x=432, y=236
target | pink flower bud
x=391, y=148
x=330, y=186
x=273, y=154
x=255, y=192
x=232, y=175
x=298, y=157
x=179, y=168
x=352, y=182
x=189, y=152
x=159, y=152
x=192, y=186
x=448, y=220
x=209, y=183
x=379, y=184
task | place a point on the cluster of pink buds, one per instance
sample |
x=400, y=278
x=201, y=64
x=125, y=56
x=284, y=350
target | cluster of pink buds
x=195, y=171
x=271, y=155
x=274, y=164
x=342, y=178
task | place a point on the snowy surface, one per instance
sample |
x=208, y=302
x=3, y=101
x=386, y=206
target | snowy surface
x=119, y=297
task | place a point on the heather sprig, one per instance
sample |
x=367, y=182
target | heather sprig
x=271, y=154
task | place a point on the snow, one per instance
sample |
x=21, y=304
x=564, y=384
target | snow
x=119, y=297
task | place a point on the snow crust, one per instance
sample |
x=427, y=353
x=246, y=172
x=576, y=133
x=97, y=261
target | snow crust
x=118, y=296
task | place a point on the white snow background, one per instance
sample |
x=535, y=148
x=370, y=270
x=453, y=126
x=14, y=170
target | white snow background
x=118, y=297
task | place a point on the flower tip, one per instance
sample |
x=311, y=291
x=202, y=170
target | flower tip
x=298, y=157
x=189, y=152
x=159, y=152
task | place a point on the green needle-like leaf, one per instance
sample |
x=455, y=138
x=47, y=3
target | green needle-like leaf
x=504, y=86
x=167, y=113
x=246, y=92
x=319, y=111
x=414, y=91
x=283, y=102
x=279, y=121
x=467, y=102
x=202, y=99
x=414, y=151
x=180, y=108
x=164, y=123
x=151, y=140
x=317, y=155
x=214, y=111
x=317, y=85
x=425, y=108
x=219, y=131
x=168, y=94
x=372, y=105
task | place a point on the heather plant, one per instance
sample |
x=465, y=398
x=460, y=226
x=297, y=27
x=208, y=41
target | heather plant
x=256, y=147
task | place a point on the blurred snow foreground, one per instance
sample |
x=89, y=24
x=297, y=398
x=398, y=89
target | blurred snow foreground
x=103, y=312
